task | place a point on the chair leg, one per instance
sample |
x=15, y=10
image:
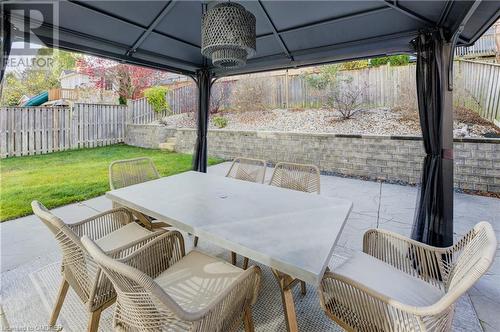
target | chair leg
x=195, y=241
x=233, y=258
x=63, y=290
x=245, y=263
x=303, y=288
x=95, y=316
x=248, y=320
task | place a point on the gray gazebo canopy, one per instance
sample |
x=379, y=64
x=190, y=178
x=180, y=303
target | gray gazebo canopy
x=167, y=35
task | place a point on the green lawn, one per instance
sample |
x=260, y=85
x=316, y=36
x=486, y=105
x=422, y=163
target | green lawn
x=65, y=177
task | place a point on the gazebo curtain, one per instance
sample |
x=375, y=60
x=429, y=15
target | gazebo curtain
x=6, y=44
x=431, y=224
x=200, y=150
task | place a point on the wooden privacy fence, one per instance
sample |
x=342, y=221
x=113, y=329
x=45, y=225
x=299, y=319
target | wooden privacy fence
x=141, y=112
x=181, y=100
x=477, y=87
x=37, y=130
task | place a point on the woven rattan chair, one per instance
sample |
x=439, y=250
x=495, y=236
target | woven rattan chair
x=300, y=177
x=115, y=232
x=397, y=284
x=247, y=169
x=124, y=173
x=159, y=288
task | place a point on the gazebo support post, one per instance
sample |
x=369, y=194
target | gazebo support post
x=447, y=142
x=203, y=81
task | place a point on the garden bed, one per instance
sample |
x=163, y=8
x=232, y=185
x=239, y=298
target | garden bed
x=377, y=121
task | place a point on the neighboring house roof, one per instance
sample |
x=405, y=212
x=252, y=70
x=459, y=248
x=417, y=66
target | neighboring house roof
x=173, y=78
x=67, y=72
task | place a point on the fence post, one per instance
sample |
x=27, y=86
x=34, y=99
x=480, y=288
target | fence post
x=128, y=118
x=287, y=90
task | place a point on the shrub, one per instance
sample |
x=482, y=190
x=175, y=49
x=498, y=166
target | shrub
x=122, y=100
x=353, y=65
x=250, y=94
x=394, y=60
x=324, y=79
x=346, y=98
x=156, y=97
x=219, y=121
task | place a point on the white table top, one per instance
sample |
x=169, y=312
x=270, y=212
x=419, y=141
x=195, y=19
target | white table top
x=290, y=231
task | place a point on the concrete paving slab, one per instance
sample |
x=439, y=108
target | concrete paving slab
x=99, y=204
x=27, y=238
x=398, y=202
x=469, y=210
x=356, y=225
x=364, y=194
x=392, y=225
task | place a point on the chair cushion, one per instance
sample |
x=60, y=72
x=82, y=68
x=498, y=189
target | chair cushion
x=389, y=281
x=122, y=236
x=197, y=279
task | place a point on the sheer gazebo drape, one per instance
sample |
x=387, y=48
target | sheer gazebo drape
x=430, y=225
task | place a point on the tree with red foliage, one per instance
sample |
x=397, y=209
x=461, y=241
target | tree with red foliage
x=130, y=80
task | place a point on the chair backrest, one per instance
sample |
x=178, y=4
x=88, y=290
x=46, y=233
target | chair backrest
x=53, y=223
x=300, y=177
x=141, y=302
x=469, y=258
x=247, y=169
x=124, y=173
x=77, y=268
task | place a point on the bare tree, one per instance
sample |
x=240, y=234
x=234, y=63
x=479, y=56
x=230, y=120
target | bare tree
x=346, y=98
x=219, y=97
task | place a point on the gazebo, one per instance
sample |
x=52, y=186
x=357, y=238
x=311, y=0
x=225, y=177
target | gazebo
x=167, y=35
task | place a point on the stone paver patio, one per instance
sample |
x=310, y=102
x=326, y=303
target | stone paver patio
x=26, y=241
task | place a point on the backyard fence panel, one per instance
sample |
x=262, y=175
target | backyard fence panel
x=31, y=142
x=37, y=130
x=17, y=134
x=3, y=133
x=98, y=124
x=142, y=111
x=24, y=130
x=478, y=88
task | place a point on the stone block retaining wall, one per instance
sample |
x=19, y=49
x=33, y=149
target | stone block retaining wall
x=399, y=159
x=147, y=136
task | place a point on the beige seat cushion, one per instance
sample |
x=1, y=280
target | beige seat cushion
x=387, y=280
x=122, y=236
x=197, y=279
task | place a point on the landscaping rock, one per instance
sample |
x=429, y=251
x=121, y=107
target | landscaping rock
x=377, y=121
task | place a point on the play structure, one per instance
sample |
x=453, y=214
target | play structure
x=38, y=100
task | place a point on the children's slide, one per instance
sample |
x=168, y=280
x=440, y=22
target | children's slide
x=38, y=100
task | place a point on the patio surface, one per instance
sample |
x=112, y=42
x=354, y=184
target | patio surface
x=26, y=244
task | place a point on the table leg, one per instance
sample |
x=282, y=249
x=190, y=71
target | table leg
x=144, y=220
x=286, y=283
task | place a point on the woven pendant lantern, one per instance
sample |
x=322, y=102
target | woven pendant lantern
x=228, y=35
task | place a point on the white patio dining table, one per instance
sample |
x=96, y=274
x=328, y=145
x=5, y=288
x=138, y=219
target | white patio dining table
x=292, y=232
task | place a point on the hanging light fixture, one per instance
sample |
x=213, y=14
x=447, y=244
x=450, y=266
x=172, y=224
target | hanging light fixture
x=228, y=35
